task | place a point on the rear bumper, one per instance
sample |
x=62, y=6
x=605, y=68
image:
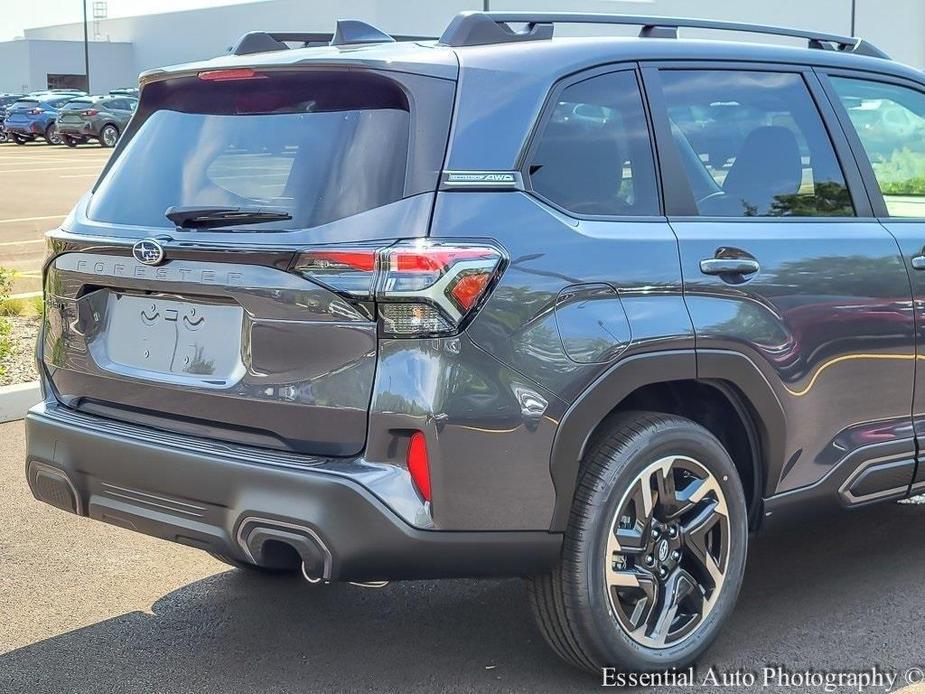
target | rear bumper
x=81, y=129
x=213, y=501
x=20, y=128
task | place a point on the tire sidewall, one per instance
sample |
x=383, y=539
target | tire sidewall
x=688, y=439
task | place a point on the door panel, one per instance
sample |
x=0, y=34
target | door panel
x=885, y=124
x=778, y=266
x=827, y=319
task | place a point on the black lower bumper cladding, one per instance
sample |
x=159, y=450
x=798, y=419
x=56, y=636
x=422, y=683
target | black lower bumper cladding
x=233, y=507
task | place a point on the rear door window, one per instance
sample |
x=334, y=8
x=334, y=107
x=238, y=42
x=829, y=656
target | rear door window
x=322, y=146
x=753, y=144
x=593, y=155
x=890, y=122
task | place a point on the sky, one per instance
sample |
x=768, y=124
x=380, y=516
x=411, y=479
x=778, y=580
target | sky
x=17, y=16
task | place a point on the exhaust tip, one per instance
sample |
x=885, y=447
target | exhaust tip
x=258, y=537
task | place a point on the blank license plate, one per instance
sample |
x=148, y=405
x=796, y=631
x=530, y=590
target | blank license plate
x=170, y=337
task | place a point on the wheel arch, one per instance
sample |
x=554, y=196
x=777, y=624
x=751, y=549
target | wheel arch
x=676, y=382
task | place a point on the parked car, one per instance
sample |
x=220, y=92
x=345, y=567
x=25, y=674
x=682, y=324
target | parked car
x=479, y=307
x=100, y=118
x=6, y=100
x=62, y=92
x=34, y=116
x=125, y=91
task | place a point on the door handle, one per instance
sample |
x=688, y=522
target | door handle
x=730, y=266
x=918, y=262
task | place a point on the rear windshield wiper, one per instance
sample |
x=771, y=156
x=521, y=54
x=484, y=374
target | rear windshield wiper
x=193, y=217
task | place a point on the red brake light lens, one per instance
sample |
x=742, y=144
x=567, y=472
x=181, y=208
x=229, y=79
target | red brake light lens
x=238, y=73
x=90, y=112
x=418, y=464
x=36, y=112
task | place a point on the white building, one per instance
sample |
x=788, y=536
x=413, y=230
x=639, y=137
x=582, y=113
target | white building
x=53, y=55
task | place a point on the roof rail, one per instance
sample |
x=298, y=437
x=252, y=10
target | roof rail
x=482, y=28
x=348, y=32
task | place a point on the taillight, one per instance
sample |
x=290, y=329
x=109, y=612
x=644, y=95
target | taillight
x=418, y=464
x=36, y=112
x=421, y=288
x=90, y=112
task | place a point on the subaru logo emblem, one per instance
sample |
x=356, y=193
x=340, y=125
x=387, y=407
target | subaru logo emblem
x=149, y=252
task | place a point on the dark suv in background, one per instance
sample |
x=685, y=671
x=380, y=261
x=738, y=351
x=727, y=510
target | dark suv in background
x=583, y=310
x=100, y=118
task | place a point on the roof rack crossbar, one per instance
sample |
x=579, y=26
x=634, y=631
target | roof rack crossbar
x=348, y=32
x=482, y=28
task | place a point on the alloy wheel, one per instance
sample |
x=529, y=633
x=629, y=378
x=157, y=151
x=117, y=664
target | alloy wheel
x=667, y=552
x=110, y=136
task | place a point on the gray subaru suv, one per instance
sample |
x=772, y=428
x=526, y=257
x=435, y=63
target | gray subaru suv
x=584, y=310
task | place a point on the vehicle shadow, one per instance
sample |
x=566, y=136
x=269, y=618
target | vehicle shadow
x=831, y=597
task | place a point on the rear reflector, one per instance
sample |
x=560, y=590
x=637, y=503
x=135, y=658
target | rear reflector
x=422, y=288
x=239, y=73
x=418, y=464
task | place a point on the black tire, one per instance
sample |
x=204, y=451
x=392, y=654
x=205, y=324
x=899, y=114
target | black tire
x=109, y=135
x=573, y=605
x=70, y=141
x=52, y=136
x=3, y=136
x=20, y=139
x=247, y=566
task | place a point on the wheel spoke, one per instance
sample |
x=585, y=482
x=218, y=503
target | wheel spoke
x=622, y=578
x=667, y=493
x=619, y=577
x=642, y=496
x=696, y=531
x=643, y=609
x=678, y=587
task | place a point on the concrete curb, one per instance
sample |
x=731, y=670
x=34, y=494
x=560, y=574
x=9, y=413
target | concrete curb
x=15, y=400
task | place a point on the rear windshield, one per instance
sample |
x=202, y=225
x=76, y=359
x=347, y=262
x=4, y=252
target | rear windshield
x=323, y=146
x=78, y=104
x=26, y=103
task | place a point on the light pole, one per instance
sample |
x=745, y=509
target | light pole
x=854, y=8
x=86, y=48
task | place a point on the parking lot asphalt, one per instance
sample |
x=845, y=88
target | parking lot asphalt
x=86, y=607
x=40, y=185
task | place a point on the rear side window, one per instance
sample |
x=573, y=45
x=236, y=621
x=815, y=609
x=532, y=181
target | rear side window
x=323, y=146
x=593, y=156
x=754, y=145
x=890, y=122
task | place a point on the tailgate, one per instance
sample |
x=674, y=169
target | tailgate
x=240, y=352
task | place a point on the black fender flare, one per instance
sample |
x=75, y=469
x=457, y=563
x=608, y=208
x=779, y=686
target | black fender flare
x=633, y=372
